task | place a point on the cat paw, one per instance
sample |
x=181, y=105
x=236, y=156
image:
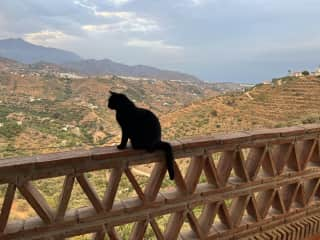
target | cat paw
x=121, y=147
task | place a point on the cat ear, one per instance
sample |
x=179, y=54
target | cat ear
x=112, y=93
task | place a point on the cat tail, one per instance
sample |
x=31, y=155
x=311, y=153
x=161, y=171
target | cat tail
x=166, y=147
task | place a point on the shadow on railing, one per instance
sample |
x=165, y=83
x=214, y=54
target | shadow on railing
x=263, y=183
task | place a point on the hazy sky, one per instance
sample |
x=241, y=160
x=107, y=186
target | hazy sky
x=216, y=40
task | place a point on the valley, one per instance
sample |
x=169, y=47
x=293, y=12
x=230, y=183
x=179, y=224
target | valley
x=40, y=111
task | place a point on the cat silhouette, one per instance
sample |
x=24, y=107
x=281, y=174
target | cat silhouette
x=141, y=126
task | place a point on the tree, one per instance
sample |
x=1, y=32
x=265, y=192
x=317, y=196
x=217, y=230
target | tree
x=305, y=73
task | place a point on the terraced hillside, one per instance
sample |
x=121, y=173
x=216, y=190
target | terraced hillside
x=285, y=102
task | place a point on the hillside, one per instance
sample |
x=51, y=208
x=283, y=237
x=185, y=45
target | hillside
x=7, y=65
x=285, y=102
x=25, y=52
x=42, y=112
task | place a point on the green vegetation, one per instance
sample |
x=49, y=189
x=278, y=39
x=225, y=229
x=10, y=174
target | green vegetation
x=10, y=129
x=305, y=73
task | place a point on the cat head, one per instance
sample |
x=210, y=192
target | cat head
x=119, y=101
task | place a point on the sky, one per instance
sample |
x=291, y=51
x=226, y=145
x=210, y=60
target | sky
x=216, y=40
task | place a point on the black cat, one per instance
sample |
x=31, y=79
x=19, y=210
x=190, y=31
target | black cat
x=141, y=126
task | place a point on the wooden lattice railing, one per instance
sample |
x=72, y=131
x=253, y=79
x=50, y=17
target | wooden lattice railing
x=261, y=185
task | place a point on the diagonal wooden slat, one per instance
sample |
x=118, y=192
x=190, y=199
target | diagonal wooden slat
x=304, y=151
x=6, y=206
x=312, y=153
x=310, y=188
x=111, y=191
x=300, y=196
x=252, y=209
x=316, y=195
x=134, y=183
x=156, y=230
x=315, y=157
x=210, y=171
x=288, y=195
x=280, y=154
x=278, y=203
x=90, y=192
x=238, y=165
x=64, y=197
x=113, y=235
x=193, y=173
x=268, y=164
x=37, y=201
x=179, y=180
x=175, y=223
x=264, y=200
x=195, y=226
x=292, y=161
x=155, y=181
x=224, y=215
x=254, y=161
x=238, y=208
x=139, y=230
x=225, y=166
x=207, y=216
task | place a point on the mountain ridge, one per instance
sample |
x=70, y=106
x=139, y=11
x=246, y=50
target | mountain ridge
x=107, y=66
x=28, y=53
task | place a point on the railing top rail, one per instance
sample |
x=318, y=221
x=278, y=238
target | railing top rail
x=110, y=157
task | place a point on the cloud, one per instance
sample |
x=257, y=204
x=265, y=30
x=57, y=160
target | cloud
x=120, y=21
x=197, y=2
x=84, y=4
x=46, y=37
x=123, y=22
x=118, y=2
x=139, y=25
x=153, y=45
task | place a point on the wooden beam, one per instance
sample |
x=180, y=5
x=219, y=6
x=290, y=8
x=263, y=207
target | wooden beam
x=90, y=192
x=111, y=191
x=134, y=183
x=37, y=202
x=6, y=206
x=64, y=197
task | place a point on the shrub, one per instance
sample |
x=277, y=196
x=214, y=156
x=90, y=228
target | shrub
x=214, y=113
x=10, y=129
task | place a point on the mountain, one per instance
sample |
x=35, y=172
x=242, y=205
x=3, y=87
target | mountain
x=108, y=67
x=25, y=52
x=28, y=53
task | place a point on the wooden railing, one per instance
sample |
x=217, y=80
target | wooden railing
x=263, y=184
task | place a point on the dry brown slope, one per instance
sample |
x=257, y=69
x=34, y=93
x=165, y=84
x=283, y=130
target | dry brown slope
x=285, y=102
